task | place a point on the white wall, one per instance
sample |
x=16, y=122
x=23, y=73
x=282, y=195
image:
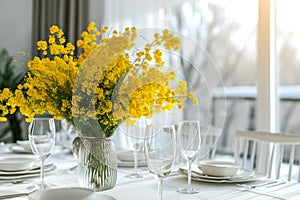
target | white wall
x=15, y=32
x=15, y=25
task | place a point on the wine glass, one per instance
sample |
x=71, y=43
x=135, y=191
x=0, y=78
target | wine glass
x=189, y=142
x=160, y=151
x=42, y=139
x=66, y=136
x=135, y=135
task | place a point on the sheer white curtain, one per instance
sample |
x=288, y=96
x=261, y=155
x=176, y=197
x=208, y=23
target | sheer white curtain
x=142, y=14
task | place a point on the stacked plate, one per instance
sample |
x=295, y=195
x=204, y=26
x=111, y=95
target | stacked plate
x=126, y=159
x=20, y=167
x=23, y=147
x=220, y=172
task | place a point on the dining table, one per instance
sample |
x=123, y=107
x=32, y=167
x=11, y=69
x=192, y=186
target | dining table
x=65, y=176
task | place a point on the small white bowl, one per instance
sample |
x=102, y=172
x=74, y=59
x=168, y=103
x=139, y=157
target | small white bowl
x=16, y=163
x=25, y=144
x=219, y=168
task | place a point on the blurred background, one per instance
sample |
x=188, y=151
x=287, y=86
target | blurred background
x=225, y=29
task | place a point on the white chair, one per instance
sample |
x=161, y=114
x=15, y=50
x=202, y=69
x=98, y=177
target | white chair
x=209, y=139
x=266, y=151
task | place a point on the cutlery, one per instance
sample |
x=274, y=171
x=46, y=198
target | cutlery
x=257, y=185
x=260, y=193
x=276, y=184
x=251, y=188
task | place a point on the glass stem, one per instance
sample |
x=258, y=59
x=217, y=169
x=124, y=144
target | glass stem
x=42, y=173
x=189, y=174
x=160, y=188
x=135, y=157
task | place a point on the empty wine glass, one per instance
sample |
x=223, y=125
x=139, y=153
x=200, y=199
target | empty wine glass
x=135, y=136
x=41, y=134
x=66, y=135
x=160, y=151
x=189, y=142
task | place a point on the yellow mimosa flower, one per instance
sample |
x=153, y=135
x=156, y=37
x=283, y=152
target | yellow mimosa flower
x=110, y=81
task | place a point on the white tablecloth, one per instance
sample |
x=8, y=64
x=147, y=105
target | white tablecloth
x=146, y=187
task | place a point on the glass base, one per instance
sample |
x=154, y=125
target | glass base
x=134, y=175
x=188, y=190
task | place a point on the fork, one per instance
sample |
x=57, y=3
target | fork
x=250, y=188
x=261, y=193
x=256, y=185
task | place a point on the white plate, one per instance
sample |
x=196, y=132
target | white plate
x=243, y=175
x=67, y=193
x=35, y=169
x=233, y=180
x=20, y=149
x=131, y=164
x=16, y=163
x=4, y=175
x=128, y=156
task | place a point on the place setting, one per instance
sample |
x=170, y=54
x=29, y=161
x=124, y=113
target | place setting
x=17, y=173
x=17, y=168
x=23, y=147
x=217, y=171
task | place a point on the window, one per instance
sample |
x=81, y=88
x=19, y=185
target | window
x=227, y=30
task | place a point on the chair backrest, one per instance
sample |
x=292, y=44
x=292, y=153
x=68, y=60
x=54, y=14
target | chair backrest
x=209, y=138
x=266, y=151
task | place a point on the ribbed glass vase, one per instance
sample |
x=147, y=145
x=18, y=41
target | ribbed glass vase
x=97, y=163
